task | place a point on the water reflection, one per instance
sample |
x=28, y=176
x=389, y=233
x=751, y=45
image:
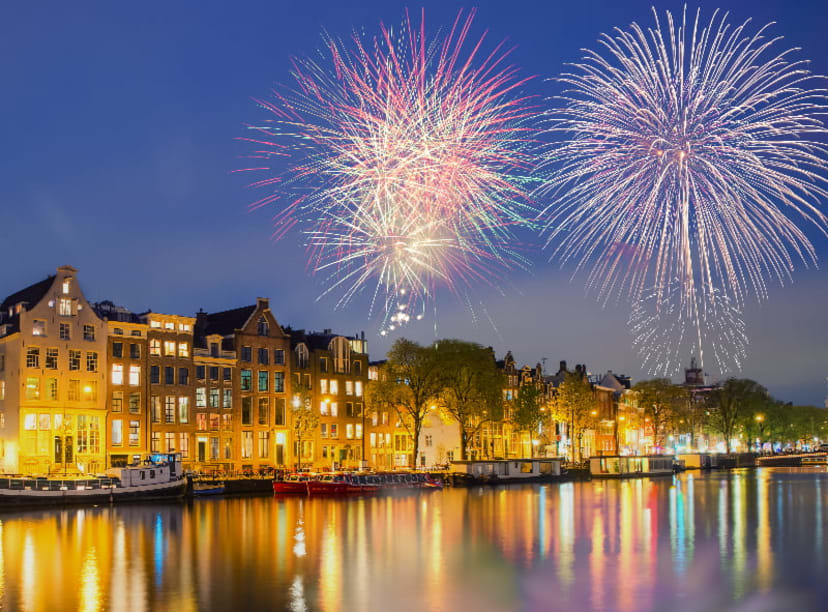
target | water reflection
x=697, y=542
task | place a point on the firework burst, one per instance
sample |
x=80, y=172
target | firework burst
x=406, y=157
x=691, y=151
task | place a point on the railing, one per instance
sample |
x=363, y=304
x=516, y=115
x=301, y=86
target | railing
x=45, y=484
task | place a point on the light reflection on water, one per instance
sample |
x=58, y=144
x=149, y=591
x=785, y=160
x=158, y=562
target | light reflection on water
x=751, y=540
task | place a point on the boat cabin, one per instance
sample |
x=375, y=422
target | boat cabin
x=509, y=468
x=615, y=466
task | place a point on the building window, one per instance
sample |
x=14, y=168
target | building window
x=155, y=348
x=155, y=375
x=118, y=331
x=228, y=374
x=155, y=324
x=349, y=409
x=201, y=372
x=90, y=391
x=279, y=409
x=214, y=448
x=334, y=409
x=52, y=389
x=247, y=444
x=65, y=307
x=263, y=376
x=246, y=353
x=136, y=333
x=264, y=356
x=227, y=399
x=215, y=420
x=359, y=432
x=169, y=438
x=67, y=286
x=227, y=422
x=247, y=416
x=201, y=397
x=323, y=431
x=264, y=408
x=117, y=401
x=134, y=375
x=357, y=367
x=246, y=380
x=134, y=403
x=334, y=386
x=358, y=388
x=262, y=327
x=183, y=409
x=358, y=409
x=323, y=407
x=323, y=364
x=334, y=432
x=183, y=349
x=201, y=421
x=184, y=445
x=118, y=349
x=134, y=433
x=89, y=333
x=264, y=444
x=214, y=372
x=169, y=325
x=169, y=348
x=117, y=374
x=169, y=375
x=214, y=349
x=279, y=357
x=183, y=376
x=349, y=387
x=169, y=409
x=349, y=431
x=134, y=351
x=91, y=361
x=117, y=432
x=323, y=385
x=301, y=356
x=155, y=442
x=38, y=327
x=214, y=398
x=52, y=359
x=33, y=357
x=65, y=334
x=228, y=448
x=74, y=360
x=278, y=382
x=155, y=409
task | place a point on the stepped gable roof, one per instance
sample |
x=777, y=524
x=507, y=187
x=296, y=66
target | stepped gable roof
x=31, y=294
x=226, y=322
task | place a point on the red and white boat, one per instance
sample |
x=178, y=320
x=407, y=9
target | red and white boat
x=292, y=484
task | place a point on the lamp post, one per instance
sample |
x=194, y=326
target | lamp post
x=760, y=419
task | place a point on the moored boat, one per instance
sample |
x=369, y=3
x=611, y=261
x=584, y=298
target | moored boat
x=158, y=477
x=292, y=484
x=208, y=488
x=341, y=484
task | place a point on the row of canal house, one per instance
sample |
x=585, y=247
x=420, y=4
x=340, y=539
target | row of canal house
x=87, y=386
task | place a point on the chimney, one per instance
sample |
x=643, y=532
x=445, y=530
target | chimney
x=263, y=303
x=563, y=366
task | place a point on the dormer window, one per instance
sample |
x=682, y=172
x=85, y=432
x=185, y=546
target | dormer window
x=67, y=286
x=263, y=327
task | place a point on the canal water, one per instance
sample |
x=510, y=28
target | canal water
x=744, y=540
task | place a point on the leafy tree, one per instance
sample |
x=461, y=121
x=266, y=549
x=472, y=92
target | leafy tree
x=472, y=387
x=528, y=413
x=662, y=402
x=575, y=404
x=731, y=401
x=304, y=418
x=409, y=383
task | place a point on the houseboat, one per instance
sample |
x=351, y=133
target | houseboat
x=292, y=484
x=504, y=471
x=158, y=477
x=633, y=466
x=341, y=484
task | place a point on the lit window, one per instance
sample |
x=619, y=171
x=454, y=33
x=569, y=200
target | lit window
x=117, y=374
x=74, y=360
x=323, y=385
x=65, y=307
x=91, y=361
x=323, y=408
x=183, y=349
x=117, y=401
x=155, y=324
x=169, y=347
x=38, y=328
x=155, y=348
x=89, y=333
x=169, y=409
x=227, y=399
x=358, y=388
x=134, y=375
x=323, y=430
x=349, y=431
x=359, y=432
x=334, y=409
x=169, y=325
x=117, y=432
x=184, y=409
x=201, y=397
x=74, y=390
x=334, y=386
x=334, y=432
x=32, y=388
x=134, y=432
x=349, y=387
x=263, y=381
x=67, y=286
x=90, y=391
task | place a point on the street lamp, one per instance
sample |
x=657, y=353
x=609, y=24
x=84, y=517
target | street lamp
x=760, y=419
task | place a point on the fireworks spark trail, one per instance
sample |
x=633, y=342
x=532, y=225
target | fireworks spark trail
x=691, y=150
x=407, y=160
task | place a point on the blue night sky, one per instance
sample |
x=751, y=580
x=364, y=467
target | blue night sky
x=119, y=119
